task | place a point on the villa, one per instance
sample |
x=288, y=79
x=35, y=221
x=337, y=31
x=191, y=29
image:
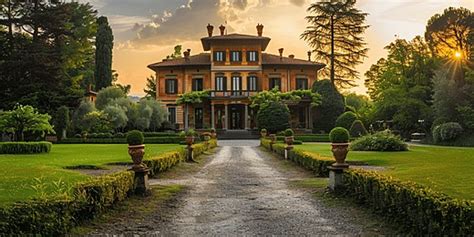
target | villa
x=233, y=68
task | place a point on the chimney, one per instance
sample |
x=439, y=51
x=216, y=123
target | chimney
x=281, y=53
x=186, y=54
x=309, y=55
x=291, y=56
x=259, y=29
x=222, y=28
x=210, y=29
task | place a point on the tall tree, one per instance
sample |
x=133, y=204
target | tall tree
x=448, y=33
x=332, y=105
x=104, y=43
x=335, y=34
x=150, y=89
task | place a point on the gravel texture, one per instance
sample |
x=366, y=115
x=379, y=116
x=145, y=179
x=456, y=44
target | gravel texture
x=240, y=192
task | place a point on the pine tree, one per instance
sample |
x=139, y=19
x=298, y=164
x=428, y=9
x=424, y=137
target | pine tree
x=334, y=34
x=103, y=55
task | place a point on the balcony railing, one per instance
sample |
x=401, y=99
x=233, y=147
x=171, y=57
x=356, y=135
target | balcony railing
x=232, y=94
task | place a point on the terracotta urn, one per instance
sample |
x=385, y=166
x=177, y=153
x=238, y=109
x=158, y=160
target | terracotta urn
x=137, y=152
x=213, y=135
x=289, y=140
x=340, y=150
x=272, y=138
x=263, y=134
x=189, y=140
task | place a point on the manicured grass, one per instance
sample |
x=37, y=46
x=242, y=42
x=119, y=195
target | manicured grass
x=445, y=169
x=19, y=174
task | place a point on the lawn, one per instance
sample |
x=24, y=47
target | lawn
x=446, y=169
x=19, y=174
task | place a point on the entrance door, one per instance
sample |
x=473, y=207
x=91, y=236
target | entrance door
x=236, y=117
x=198, y=118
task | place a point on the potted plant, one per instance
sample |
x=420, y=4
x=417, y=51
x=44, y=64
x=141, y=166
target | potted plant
x=339, y=138
x=263, y=132
x=213, y=133
x=190, y=133
x=206, y=136
x=272, y=138
x=136, y=149
x=289, y=138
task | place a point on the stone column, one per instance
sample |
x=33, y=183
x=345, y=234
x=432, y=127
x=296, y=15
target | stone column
x=226, y=116
x=336, y=178
x=246, y=116
x=212, y=116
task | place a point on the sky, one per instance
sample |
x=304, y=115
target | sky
x=145, y=31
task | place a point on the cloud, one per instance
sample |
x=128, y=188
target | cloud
x=298, y=3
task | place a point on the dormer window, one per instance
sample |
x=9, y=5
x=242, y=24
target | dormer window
x=219, y=56
x=252, y=56
x=235, y=56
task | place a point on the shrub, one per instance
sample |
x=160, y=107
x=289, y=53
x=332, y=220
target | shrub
x=311, y=161
x=380, y=141
x=135, y=137
x=419, y=210
x=24, y=147
x=119, y=135
x=190, y=132
x=274, y=117
x=358, y=129
x=263, y=130
x=289, y=132
x=339, y=135
x=78, y=136
x=447, y=132
x=346, y=119
x=332, y=105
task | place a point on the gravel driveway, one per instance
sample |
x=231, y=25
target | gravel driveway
x=240, y=192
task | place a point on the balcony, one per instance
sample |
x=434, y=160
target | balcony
x=232, y=94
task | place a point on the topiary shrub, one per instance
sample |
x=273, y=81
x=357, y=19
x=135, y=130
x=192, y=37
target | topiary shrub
x=447, y=132
x=332, y=105
x=339, y=135
x=346, y=119
x=380, y=141
x=289, y=132
x=135, y=137
x=358, y=129
x=273, y=117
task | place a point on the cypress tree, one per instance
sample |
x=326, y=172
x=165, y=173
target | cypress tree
x=104, y=44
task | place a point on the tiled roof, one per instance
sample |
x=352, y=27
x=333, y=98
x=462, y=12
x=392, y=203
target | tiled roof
x=206, y=41
x=204, y=59
x=272, y=59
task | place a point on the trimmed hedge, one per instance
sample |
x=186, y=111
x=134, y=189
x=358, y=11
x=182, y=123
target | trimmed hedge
x=308, y=138
x=55, y=216
x=379, y=141
x=311, y=161
x=419, y=210
x=167, y=160
x=148, y=140
x=24, y=147
x=161, y=134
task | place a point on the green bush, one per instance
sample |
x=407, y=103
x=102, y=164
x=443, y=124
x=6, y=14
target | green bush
x=289, y=132
x=447, y=132
x=311, y=161
x=148, y=140
x=346, y=119
x=358, y=129
x=380, y=141
x=274, y=117
x=332, y=105
x=419, y=210
x=25, y=147
x=135, y=137
x=160, y=134
x=55, y=216
x=119, y=135
x=339, y=135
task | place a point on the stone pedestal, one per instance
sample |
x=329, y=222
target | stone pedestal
x=141, y=185
x=288, y=148
x=336, y=177
x=189, y=153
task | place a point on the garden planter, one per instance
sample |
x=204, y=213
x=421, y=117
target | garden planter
x=137, y=152
x=272, y=138
x=213, y=135
x=263, y=134
x=289, y=140
x=340, y=150
x=189, y=140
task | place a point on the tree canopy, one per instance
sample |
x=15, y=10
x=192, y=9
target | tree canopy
x=104, y=43
x=335, y=34
x=24, y=119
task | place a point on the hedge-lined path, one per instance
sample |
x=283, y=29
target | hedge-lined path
x=241, y=192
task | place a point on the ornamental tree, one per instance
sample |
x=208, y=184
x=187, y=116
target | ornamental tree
x=274, y=117
x=24, y=119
